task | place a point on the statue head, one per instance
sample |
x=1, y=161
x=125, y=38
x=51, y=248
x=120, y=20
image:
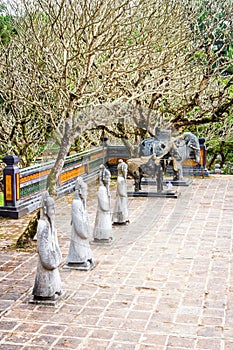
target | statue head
x=122, y=168
x=47, y=206
x=104, y=176
x=80, y=189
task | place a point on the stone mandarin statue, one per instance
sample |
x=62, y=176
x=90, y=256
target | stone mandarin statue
x=47, y=283
x=120, y=213
x=103, y=223
x=80, y=256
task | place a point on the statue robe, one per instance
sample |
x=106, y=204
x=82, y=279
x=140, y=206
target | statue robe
x=103, y=222
x=120, y=212
x=79, y=250
x=47, y=281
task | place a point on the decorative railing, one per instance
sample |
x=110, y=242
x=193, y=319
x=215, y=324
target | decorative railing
x=23, y=187
x=33, y=179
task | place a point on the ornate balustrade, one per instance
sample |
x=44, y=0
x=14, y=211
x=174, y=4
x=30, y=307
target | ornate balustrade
x=23, y=187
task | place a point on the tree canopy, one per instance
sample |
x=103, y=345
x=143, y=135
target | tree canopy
x=119, y=65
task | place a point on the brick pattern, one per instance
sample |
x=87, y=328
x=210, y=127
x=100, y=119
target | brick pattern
x=165, y=283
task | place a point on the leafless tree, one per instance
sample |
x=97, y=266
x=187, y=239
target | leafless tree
x=164, y=60
x=68, y=56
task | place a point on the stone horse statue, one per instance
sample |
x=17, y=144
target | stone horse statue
x=145, y=167
x=176, y=149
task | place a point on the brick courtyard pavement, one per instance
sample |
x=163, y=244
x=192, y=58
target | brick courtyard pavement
x=165, y=283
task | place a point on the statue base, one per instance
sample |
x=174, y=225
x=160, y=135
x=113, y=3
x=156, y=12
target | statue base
x=115, y=223
x=162, y=194
x=107, y=241
x=183, y=182
x=80, y=266
x=48, y=301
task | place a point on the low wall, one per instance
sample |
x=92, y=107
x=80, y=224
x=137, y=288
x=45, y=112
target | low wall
x=30, y=183
x=32, y=180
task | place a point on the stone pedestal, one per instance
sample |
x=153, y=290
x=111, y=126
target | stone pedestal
x=151, y=193
x=80, y=266
x=121, y=223
x=103, y=241
x=183, y=182
x=50, y=301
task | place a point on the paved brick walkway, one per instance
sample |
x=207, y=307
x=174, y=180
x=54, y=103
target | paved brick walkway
x=166, y=283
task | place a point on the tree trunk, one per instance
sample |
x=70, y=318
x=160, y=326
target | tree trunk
x=30, y=231
x=63, y=151
x=66, y=142
x=133, y=150
x=211, y=162
x=31, y=228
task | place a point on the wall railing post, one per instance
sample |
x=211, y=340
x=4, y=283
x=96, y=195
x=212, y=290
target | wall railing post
x=11, y=181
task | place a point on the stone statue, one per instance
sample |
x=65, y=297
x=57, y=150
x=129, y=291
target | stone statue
x=47, y=283
x=120, y=212
x=159, y=179
x=79, y=256
x=178, y=149
x=103, y=223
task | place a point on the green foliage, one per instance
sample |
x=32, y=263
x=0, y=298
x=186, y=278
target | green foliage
x=214, y=25
x=219, y=141
x=7, y=28
x=230, y=51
